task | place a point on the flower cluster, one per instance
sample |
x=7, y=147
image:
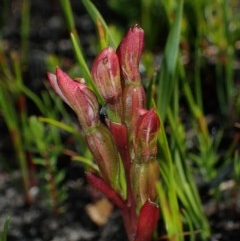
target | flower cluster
x=128, y=134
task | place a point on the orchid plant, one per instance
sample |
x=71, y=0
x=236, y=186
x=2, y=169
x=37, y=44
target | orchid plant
x=126, y=138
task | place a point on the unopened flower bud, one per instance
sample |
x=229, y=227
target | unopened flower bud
x=101, y=144
x=145, y=135
x=64, y=86
x=129, y=53
x=78, y=96
x=106, y=75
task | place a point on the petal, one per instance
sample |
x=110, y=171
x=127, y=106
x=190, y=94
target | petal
x=68, y=87
x=54, y=84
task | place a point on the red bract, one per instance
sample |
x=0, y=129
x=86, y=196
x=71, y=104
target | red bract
x=133, y=99
x=145, y=134
x=147, y=221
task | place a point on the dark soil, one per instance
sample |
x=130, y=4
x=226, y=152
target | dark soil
x=36, y=222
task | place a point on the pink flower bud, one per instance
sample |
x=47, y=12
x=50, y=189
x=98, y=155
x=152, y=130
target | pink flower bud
x=106, y=75
x=129, y=53
x=145, y=135
x=64, y=86
x=78, y=96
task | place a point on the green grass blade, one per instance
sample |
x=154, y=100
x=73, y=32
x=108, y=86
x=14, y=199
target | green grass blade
x=59, y=124
x=3, y=234
x=168, y=198
x=66, y=6
x=167, y=76
x=83, y=65
x=97, y=18
x=87, y=162
x=67, y=9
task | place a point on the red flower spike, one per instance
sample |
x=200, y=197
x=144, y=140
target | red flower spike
x=102, y=186
x=145, y=135
x=101, y=144
x=132, y=131
x=147, y=223
x=129, y=53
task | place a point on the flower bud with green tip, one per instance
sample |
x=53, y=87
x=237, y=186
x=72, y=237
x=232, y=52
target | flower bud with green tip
x=106, y=75
x=129, y=53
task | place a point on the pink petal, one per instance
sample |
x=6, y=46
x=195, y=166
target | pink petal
x=68, y=86
x=54, y=84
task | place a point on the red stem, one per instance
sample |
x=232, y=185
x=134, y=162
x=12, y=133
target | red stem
x=119, y=132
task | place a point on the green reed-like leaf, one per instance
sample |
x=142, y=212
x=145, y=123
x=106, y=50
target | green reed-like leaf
x=97, y=18
x=4, y=232
x=86, y=161
x=168, y=190
x=167, y=76
x=66, y=6
x=58, y=124
x=83, y=65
